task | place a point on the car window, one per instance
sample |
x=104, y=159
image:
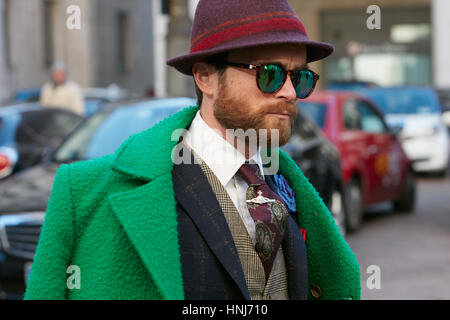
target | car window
x=93, y=105
x=104, y=132
x=408, y=101
x=316, y=111
x=371, y=122
x=8, y=127
x=62, y=123
x=352, y=116
x=46, y=127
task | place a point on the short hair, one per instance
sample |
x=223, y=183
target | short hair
x=217, y=61
x=59, y=65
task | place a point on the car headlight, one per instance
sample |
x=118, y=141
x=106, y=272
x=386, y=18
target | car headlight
x=446, y=117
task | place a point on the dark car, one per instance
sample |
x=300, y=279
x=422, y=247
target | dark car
x=319, y=161
x=28, y=131
x=27, y=193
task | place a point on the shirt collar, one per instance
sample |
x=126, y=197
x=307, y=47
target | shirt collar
x=218, y=154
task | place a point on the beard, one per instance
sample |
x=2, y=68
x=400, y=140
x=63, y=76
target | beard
x=235, y=112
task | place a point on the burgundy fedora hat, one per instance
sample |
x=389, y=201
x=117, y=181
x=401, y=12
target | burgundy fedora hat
x=224, y=25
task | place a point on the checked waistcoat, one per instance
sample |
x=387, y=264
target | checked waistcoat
x=276, y=286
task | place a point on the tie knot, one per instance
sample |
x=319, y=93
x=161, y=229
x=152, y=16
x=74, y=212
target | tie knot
x=250, y=173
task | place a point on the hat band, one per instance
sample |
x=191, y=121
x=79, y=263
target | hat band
x=274, y=25
x=249, y=19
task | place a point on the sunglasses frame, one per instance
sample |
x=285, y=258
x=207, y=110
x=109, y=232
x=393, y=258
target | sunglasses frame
x=286, y=73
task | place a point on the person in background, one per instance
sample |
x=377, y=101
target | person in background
x=61, y=92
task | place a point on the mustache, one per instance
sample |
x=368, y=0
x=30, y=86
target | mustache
x=289, y=107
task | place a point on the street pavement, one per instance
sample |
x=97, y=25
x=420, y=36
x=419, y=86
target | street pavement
x=412, y=250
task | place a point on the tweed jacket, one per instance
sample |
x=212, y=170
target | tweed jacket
x=276, y=285
x=115, y=218
x=218, y=257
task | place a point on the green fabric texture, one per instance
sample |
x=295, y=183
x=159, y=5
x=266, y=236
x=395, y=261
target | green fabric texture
x=115, y=219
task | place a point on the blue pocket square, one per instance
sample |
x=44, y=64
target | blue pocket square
x=284, y=190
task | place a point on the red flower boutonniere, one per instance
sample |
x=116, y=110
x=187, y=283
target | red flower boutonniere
x=303, y=231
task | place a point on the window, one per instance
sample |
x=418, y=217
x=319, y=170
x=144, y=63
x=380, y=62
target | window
x=404, y=33
x=371, y=122
x=165, y=6
x=352, y=117
x=7, y=32
x=316, y=111
x=48, y=8
x=405, y=100
x=46, y=127
x=358, y=115
x=123, y=22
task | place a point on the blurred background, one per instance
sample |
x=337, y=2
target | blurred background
x=389, y=189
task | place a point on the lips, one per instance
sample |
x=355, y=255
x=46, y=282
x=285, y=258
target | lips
x=281, y=114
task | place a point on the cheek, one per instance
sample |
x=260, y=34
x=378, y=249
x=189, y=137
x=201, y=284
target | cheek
x=243, y=86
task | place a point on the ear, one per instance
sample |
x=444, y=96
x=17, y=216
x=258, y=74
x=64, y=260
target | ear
x=206, y=78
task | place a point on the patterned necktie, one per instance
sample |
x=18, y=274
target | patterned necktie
x=270, y=215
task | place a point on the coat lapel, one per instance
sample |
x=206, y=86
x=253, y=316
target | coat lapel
x=148, y=217
x=148, y=213
x=195, y=194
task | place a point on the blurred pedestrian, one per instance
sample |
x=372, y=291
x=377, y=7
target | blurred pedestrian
x=140, y=224
x=61, y=92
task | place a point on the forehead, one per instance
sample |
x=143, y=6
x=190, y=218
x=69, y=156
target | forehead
x=287, y=54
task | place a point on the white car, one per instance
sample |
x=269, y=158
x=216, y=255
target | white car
x=417, y=112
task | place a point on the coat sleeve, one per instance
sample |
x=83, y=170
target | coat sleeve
x=48, y=277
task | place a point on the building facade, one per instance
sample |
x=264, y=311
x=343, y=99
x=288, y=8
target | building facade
x=409, y=47
x=101, y=42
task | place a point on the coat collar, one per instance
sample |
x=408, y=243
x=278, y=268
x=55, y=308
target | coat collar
x=148, y=154
x=148, y=212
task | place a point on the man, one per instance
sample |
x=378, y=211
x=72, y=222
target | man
x=62, y=92
x=195, y=213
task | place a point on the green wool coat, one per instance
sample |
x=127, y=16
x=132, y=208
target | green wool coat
x=114, y=218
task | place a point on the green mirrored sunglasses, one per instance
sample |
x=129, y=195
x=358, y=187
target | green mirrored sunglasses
x=271, y=77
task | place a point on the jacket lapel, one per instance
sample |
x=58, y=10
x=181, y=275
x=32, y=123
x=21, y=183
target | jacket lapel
x=148, y=217
x=194, y=193
x=148, y=213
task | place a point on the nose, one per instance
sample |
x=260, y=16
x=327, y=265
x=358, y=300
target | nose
x=287, y=91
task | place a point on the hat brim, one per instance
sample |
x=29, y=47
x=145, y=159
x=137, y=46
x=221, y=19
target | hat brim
x=315, y=50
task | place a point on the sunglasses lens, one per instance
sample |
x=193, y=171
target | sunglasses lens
x=304, y=83
x=270, y=78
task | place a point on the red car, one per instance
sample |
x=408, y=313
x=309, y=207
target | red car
x=374, y=166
